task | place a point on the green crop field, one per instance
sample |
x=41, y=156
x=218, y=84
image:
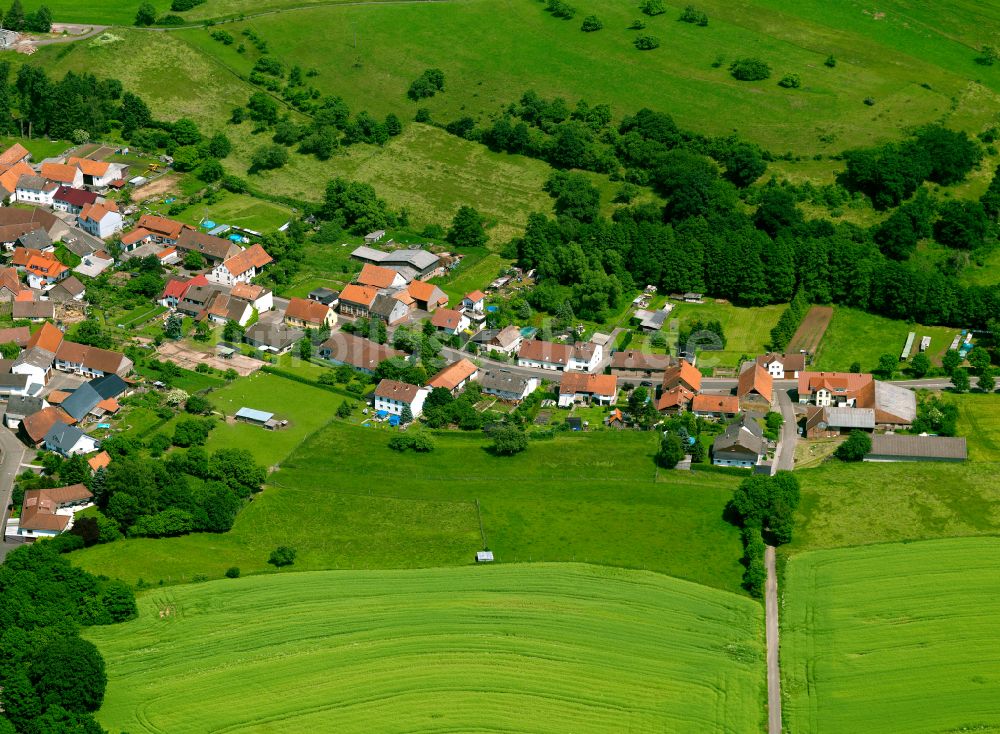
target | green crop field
x=863, y=337
x=517, y=648
x=747, y=330
x=346, y=501
x=892, y=639
x=856, y=504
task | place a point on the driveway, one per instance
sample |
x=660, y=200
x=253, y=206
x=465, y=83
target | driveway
x=785, y=460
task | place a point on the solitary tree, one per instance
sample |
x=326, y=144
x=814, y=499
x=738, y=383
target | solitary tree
x=887, y=365
x=283, y=555
x=194, y=260
x=145, y=15
x=920, y=365
x=951, y=360
x=509, y=440
x=406, y=416
x=979, y=360
x=960, y=380
x=467, y=228
x=671, y=451
x=305, y=349
x=987, y=383
x=855, y=448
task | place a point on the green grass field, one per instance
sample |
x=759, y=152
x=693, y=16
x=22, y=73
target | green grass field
x=346, y=501
x=857, y=504
x=747, y=330
x=863, y=337
x=892, y=639
x=539, y=648
x=369, y=53
x=979, y=420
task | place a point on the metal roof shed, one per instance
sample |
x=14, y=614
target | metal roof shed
x=250, y=415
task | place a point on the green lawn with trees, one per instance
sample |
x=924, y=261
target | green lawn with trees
x=501, y=649
x=891, y=638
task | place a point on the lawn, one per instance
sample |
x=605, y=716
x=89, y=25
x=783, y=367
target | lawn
x=543, y=648
x=306, y=408
x=346, y=501
x=857, y=504
x=856, y=336
x=747, y=330
x=238, y=210
x=892, y=638
x=39, y=148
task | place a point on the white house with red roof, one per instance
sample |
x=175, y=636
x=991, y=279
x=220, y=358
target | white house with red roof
x=72, y=200
x=101, y=219
x=241, y=267
x=474, y=302
x=175, y=289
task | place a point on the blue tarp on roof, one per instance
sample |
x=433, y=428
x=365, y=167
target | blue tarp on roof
x=257, y=416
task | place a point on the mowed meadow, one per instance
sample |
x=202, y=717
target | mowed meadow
x=344, y=500
x=898, y=639
x=541, y=648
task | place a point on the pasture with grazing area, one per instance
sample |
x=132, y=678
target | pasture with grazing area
x=345, y=500
x=543, y=648
x=898, y=639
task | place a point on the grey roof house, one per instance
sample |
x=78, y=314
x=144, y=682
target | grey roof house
x=741, y=445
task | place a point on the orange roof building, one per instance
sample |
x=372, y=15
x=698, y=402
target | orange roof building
x=99, y=461
x=455, y=376
x=755, y=384
x=357, y=300
x=720, y=406
x=378, y=277
x=89, y=167
x=62, y=173
x=682, y=374
x=48, y=338
x=309, y=314
x=14, y=155
x=578, y=387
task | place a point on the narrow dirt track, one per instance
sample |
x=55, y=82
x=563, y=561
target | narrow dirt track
x=771, y=630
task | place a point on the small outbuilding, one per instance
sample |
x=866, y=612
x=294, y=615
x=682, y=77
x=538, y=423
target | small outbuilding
x=257, y=418
x=484, y=557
